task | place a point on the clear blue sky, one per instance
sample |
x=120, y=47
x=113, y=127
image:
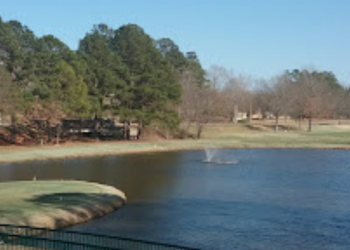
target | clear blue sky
x=259, y=38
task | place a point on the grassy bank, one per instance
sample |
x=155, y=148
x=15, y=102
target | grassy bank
x=56, y=204
x=216, y=135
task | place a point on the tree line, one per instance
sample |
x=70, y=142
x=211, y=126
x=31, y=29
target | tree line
x=126, y=74
x=303, y=94
x=122, y=73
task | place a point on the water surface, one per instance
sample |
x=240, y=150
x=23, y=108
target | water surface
x=269, y=199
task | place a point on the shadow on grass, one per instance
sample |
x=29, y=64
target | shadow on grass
x=281, y=127
x=67, y=209
x=62, y=200
x=253, y=127
x=4, y=213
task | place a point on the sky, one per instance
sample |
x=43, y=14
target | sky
x=256, y=38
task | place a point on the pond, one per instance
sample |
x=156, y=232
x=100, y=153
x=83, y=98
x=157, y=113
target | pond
x=245, y=199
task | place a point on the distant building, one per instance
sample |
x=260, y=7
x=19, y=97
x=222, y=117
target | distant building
x=241, y=116
x=257, y=116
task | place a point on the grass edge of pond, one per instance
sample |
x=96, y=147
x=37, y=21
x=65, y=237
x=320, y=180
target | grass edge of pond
x=56, y=204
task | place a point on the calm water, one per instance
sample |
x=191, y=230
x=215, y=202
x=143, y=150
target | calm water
x=270, y=199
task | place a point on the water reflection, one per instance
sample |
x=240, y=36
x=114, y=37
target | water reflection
x=271, y=199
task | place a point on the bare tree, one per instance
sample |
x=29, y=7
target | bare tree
x=237, y=97
x=310, y=96
x=341, y=104
x=235, y=94
x=44, y=117
x=218, y=77
x=198, y=104
x=275, y=97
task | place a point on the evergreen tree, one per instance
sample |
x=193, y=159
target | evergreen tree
x=172, y=53
x=194, y=66
x=107, y=74
x=153, y=85
x=6, y=92
x=121, y=72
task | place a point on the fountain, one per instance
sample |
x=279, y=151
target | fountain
x=210, y=153
x=212, y=157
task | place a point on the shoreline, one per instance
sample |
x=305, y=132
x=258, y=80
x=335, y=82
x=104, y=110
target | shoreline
x=58, y=203
x=13, y=154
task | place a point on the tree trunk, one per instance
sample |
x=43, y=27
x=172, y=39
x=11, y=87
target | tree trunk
x=58, y=133
x=299, y=123
x=235, y=114
x=125, y=131
x=187, y=129
x=58, y=138
x=250, y=111
x=97, y=129
x=276, y=124
x=199, y=130
x=13, y=119
x=49, y=134
x=310, y=124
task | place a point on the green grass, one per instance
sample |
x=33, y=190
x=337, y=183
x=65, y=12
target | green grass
x=28, y=202
x=322, y=136
x=214, y=135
